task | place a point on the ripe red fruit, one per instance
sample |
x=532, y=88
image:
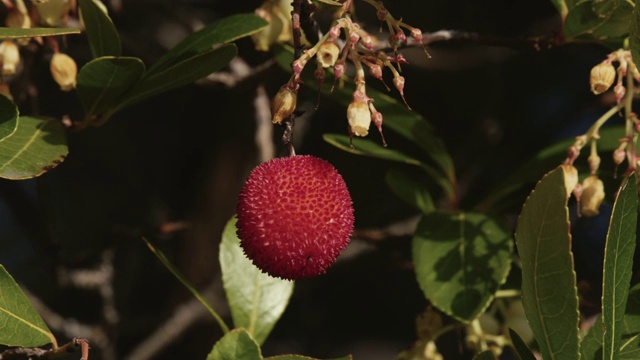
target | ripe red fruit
x=295, y=216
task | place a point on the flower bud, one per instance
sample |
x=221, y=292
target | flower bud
x=17, y=19
x=328, y=54
x=334, y=32
x=64, y=71
x=338, y=70
x=619, y=155
x=283, y=104
x=592, y=196
x=602, y=77
x=376, y=71
x=359, y=116
x=52, y=11
x=10, y=57
x=619, y=90
x=398, y=82
x=367, y=41
x=570, y=178
x=416, y=34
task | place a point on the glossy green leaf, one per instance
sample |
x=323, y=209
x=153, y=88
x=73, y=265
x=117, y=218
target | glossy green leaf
x=549, y=292
x=256, y=299
x=591, y=346
x=618, y=263
x=8, y=117
x=634, y=36
x=411, y=189
x=485, y=355
x=37, y=146
x=561, y=5
x=183, y=73
x=302, y=357
x=370, y=148
x=103, y=81
x=178, y=275
x=222, y=31
x=610, y=20
x=16, y=33
x=522, y=350
x=460, y=261
x=20, y=324
x=409, y=124
x=236, y=345
x=102, y=34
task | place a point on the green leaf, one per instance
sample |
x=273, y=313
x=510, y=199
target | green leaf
x=20, y=324
x=591, y=346
x=618, y=263
x=103, y=81
x=37, y=146
x=522, y=350
x=561, y=5
x=102, y=34
x=183, y=73
x=549, y=292
x=609, y=20
x=256, y=299
x=485, y=355
x=222, y=31
x=8, y=117
x=174, y=270
x=460, y=261
x=16, y=33
x=410, y=189
x=302, y=357
x=370, y=148
x=236, y=345
x=634, y=37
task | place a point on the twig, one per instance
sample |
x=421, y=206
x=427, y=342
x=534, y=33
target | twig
x=37, y=353
x=404, y=227
x=264, y=127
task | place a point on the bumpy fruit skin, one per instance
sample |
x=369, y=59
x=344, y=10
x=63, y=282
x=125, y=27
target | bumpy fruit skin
x=295, y=216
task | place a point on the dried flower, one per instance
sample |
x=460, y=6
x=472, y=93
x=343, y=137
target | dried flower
x=284, y=103
x=359, y=115
x=64, y=71
x=592, y=196
x=10, y=57
x=328, y=54
x=602, y=77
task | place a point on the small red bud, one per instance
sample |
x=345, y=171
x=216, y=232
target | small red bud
x=376, y=71
x=367, y=41
x=334, y=32
x=416, y=34
x=400, y=36
x=398, y=82
x=354, y=37
x=338, y=69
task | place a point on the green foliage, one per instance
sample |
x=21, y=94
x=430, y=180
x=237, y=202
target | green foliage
x=301, y=357
x=618, y=262
x=410, y=188
x=37, y=146
x=101, y=33
x=8, y=117
x=256, y=299
x=523, y=352
x=236, y=345
x=16, y=33
x=549, y=292
x=606, y=21
x=461, y=259
x=20, y=324
x=485, y=355
x=634, y=36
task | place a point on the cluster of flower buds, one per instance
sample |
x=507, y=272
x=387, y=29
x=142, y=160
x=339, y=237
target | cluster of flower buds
x=348, y=41
x=47, y=13
x=589, y=193
x=604, y=74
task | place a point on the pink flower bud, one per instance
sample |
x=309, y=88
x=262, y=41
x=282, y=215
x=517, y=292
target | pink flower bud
x=416, y=34
x=619, y=90
x=367, y=42
x=376, y=71
x=298, y=65
x=334, y=32
x=400, y=36
x=354, y=37
x=398, y=82
x=382, y=12
x=338, y=69
x=619, y=155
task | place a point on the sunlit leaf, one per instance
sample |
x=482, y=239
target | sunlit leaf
x=522, y=350
x=460, y=261
x=222, y=31
x=549, y=291
x=618, y=263
x=37, y=146
x=20, y=324
x=408, y=187
x=8, y=117
x=256, y=299
x=302, y=357
x=103, y=81
x=102, y=34
x=236, y=345
x=18, y=33
x=485, y=355
x=183, y=73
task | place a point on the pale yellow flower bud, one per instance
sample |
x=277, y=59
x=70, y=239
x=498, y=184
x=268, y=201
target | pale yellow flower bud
x=284, y=104
x=359, y=117
x=52, y=11
x=570, y=178
x=328, y=54
x=10, y=57
x=17, y=19
x=64, y=71
x=592, y=196
x=602, y=77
